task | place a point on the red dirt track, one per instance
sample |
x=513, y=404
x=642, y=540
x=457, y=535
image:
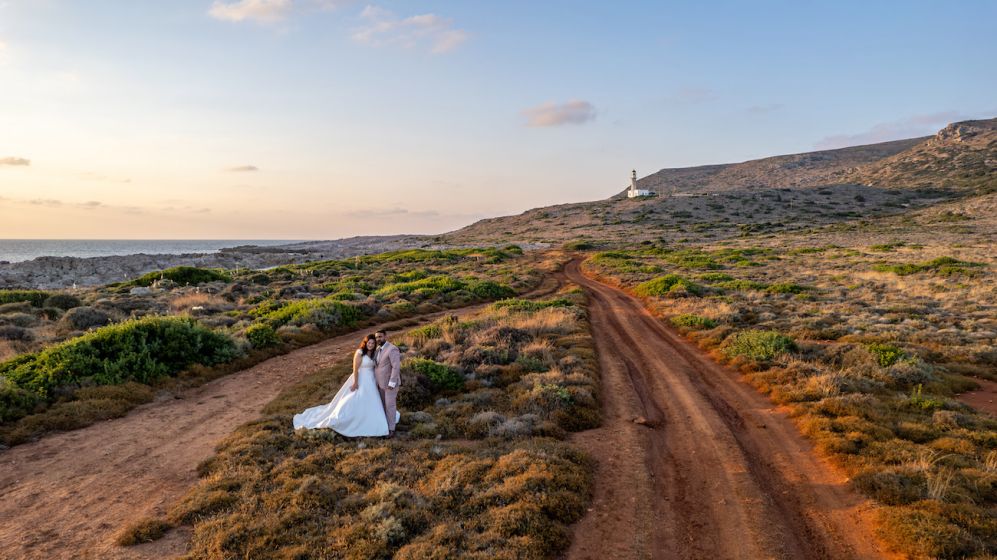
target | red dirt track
x=694, y=463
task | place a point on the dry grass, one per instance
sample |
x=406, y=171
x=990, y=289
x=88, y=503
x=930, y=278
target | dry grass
x=878, y=362
x=476, y=472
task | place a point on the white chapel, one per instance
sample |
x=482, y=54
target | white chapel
x=633, y=191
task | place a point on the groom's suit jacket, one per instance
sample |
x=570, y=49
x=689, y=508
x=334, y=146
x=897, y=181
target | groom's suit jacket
x=388, y=367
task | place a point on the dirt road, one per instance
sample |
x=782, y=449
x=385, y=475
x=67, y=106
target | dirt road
x=67, y=495
x=694, y=463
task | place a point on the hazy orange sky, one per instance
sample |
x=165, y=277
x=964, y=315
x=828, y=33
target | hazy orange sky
x=305, y=119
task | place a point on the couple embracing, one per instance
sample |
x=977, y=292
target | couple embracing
x=365, y=404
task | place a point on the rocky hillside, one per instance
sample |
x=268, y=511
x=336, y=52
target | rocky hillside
x=796, y=170
x=961, y=156
x=772, y=194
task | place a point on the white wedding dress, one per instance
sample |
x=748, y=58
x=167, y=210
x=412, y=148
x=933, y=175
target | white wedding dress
x=351, y=413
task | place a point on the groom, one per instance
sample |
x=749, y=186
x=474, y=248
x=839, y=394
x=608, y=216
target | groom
x=387, y=372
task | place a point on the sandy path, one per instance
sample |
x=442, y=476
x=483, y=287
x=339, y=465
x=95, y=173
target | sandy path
x=982, y=399
x=710, y=469
x=67, y=495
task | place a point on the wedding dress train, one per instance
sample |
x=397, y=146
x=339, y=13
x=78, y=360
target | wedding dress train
x=350, y=413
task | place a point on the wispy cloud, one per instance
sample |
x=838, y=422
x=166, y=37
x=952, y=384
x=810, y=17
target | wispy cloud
x=383, y=27
x=764, y=109
x=911, y=127
x=14, y=161
x=263, y=11
x=557, y=114
x=243, y=169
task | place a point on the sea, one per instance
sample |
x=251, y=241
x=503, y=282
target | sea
x=18, y=250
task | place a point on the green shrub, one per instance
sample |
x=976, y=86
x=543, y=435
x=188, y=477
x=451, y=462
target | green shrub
x=757, y=345
x=140, y=350
x=442, y=376
x=426, y=286
x=693, y=321
x=715, y=277
x=919, y=401
x=262, y=335
x=669, y=283
x=528, y=305
x=486, y=289
x=944, y=266
x=182, y=275
x=886, y=354
x=325, y=313
x=741, y=285
x=788, y=288
x=427, y=332
x=16, y=402
x=34, y=297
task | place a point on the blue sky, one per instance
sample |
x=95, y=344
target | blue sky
x=328, y=118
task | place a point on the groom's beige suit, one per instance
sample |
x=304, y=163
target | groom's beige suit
x=388, y=369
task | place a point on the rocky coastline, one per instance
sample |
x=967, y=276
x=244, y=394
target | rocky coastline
x=51, y=273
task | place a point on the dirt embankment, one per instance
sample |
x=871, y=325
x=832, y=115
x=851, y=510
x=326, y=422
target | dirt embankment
x=694, y=463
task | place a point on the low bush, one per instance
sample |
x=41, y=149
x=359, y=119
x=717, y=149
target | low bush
x=666, y=285
x=788, y=288
x=486, y=289
x=758, y=345
x=34, y=297
x=325, y=313
x=440, y=375
x=62, y=301
x=691, y=321
x=885, y=354
x=530, y=305
x=262, y=335
x=84, y=317
x=141, y=350
x=944, y=266
x=182, y=275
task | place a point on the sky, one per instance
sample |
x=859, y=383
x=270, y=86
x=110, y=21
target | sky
x=320, y=119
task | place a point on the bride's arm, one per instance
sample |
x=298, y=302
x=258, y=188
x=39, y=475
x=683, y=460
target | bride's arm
x=357, y=358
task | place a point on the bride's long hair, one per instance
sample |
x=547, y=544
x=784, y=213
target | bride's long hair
x=363, y=346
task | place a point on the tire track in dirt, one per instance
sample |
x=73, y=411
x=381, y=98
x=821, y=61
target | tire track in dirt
x=68, y=494
x=709, y=469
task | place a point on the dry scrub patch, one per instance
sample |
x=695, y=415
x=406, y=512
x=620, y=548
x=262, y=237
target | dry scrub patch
x=477, y=469
x=868, y=347
x=262, y=314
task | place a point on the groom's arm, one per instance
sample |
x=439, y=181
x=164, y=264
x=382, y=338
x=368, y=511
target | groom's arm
x=396, y=367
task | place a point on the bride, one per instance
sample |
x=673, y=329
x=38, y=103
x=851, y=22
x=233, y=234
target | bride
x=356, y=410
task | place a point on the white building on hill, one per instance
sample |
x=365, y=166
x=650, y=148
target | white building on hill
x=633, y=191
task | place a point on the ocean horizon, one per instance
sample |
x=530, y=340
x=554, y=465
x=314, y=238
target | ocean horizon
x=20, y=250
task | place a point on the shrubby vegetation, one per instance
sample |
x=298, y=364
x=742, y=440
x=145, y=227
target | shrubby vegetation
x=34, y=297
x=867, y=363
x=182, y=275
x=262, y=313
x=142, y=351
x=477, y=468
x=943, y=266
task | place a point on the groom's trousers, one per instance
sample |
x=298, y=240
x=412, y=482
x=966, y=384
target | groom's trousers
x=389, y=397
